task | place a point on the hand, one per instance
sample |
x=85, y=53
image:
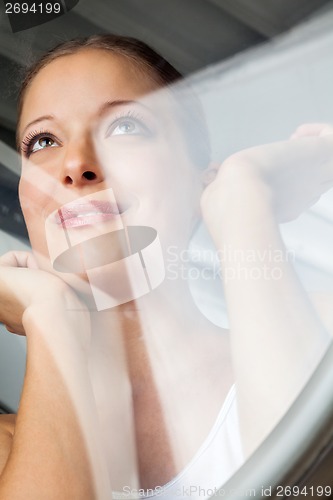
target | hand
x=22, y=285
x=291, y=175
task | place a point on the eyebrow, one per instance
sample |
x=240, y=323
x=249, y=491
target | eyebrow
x=101, y=111
x=110, y=104
x=37, y=120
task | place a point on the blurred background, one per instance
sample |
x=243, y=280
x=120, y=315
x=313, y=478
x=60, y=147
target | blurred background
x=261, y=68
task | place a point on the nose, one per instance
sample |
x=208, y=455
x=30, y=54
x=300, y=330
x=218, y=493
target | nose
x=81, y=166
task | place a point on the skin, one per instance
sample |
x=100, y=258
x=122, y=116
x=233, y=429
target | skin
x=147, y=386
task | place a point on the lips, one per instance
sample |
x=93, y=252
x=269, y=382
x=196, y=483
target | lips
x=87, y=213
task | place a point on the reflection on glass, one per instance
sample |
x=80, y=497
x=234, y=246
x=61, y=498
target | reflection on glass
x=138, y=234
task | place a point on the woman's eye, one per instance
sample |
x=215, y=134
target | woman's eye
x=42, y=143
x=127, y=127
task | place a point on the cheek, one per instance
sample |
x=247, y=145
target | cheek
x=135, y=165
x=35, y=192
x=33, y=203
x=130, y=166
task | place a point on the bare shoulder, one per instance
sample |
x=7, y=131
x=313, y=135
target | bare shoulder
x=7, y=427
x=323, y=303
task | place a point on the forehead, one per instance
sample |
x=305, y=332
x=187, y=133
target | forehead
x=85, y=79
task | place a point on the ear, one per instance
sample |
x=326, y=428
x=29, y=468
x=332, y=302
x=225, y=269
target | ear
x=209, y=174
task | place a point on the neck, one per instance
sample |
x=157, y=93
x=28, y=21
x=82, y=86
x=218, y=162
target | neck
x=171, y=304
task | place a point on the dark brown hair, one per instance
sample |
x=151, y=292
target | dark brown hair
x=146, y=59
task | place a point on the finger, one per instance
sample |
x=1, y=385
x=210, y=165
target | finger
x=15, y=331
x=8, y=259
x=31, y=261
x=209, y=174
x=18, y=258
x=9, y=329
x=312, y=129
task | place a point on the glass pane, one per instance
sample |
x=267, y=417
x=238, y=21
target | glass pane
x=178, y=297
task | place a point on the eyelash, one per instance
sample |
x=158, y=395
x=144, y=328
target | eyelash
x=31, y=138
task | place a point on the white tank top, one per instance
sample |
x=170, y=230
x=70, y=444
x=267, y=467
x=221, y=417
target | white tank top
x=217, y=459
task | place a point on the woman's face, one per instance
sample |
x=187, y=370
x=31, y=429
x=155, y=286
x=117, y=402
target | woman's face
x=86, y=132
